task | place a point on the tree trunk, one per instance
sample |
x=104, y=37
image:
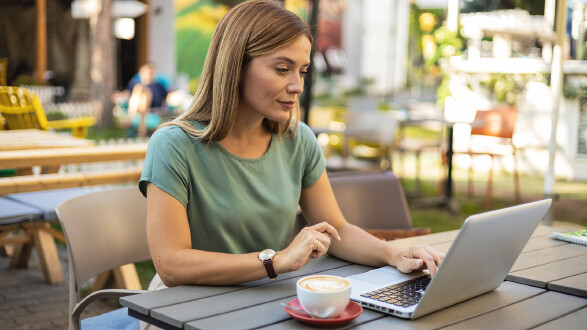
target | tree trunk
x=102, y=63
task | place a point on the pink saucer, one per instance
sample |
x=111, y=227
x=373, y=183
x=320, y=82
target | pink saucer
x=351, y=312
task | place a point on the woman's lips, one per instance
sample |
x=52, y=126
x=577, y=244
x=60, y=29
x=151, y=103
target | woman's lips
x=287, y=104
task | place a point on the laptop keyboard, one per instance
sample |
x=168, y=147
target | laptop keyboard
x=404, y=294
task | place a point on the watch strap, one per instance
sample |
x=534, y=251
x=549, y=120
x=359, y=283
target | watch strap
x=268, y=263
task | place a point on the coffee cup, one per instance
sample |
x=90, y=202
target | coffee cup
x=323, y=296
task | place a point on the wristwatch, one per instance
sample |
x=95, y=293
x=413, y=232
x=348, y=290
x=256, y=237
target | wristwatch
x=266, y=256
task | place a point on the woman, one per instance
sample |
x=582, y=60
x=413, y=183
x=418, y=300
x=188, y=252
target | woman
x=223, y=180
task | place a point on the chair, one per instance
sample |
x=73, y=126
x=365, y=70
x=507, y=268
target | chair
x=498, y=124
x=22, y=109
x=418, y=147
x=368, y=141
x=3, y=70
x=104, y=230
x=374, y=201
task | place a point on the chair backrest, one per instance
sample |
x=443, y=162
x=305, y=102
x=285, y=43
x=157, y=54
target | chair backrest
x=104, y=230
x=378, y=126
x=371, y=200
x=21, y=109
x=497, y=122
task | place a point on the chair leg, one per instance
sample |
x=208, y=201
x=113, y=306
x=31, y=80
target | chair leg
x=103, y=280
x=489, y=192
x=126, y=277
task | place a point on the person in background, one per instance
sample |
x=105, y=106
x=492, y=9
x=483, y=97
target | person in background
x=144, y=96
x=223, y=181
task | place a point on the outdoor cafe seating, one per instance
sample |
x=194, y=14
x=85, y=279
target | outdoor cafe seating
x=110, y=235
x=493, y=136
x=374, y=201
x=22, y=109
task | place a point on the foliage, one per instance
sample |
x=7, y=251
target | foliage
x=450, y=43
x=195, y=22
x=574, y=91
x=507, y=88
x=26, y=79
x=421, y=45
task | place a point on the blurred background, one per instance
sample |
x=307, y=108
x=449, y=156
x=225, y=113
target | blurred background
x=422, y=62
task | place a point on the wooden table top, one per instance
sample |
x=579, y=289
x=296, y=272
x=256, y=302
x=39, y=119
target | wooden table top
x=527, y=299
x=25, y=139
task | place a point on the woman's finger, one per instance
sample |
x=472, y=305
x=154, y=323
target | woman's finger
x=325, y=227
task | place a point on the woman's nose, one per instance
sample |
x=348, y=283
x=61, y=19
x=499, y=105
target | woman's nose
x=296, y=85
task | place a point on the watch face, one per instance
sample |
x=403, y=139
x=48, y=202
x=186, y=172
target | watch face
x=266, y=254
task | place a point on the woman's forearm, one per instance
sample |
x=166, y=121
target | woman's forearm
x=358, y=246
x=199, y=267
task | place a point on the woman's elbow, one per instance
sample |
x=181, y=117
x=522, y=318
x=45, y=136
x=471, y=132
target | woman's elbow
x=168, y=272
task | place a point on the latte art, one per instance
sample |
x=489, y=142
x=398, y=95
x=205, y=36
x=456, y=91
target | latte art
x=324, y=284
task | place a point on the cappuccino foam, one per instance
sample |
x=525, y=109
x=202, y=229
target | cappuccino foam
x=324, y=284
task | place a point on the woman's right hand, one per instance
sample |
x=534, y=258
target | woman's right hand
x=311, y=242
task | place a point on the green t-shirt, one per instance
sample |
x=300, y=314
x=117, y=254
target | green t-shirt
x=234, y=204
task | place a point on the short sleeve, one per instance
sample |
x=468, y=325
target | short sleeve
x=314, y=161
x=166, y=165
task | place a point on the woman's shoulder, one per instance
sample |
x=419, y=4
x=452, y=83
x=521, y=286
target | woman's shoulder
x=168, y=132
x=300, y=131
x=175, y=134
x=299, y=128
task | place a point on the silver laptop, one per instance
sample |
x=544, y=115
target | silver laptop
x=477, y=262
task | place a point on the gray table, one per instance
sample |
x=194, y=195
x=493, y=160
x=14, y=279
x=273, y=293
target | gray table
x=46, y=201
x=525, y=300
x=13, y=212
x=32, y=232
x=32, y=213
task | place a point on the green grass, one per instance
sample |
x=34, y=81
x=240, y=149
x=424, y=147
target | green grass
x=99, y=133
x=420, y=132
x=146, y=271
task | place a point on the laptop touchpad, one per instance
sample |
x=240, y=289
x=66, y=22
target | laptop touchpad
x=385, y=275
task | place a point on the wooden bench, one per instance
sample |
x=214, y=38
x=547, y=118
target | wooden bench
x=62, y=156
x=43, y=192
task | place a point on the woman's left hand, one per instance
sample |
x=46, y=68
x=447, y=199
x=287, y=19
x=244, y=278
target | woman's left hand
x=418, y=257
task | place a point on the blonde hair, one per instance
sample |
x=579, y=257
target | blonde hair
x=250, y=29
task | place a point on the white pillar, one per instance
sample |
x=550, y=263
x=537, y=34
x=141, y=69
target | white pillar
x=162, y=36
x=452, y=15
x=556, y=89
x=549, y=12
x=352, y=31
x=384, y=44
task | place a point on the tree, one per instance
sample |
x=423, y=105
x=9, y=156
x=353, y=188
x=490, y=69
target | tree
x=102, y=62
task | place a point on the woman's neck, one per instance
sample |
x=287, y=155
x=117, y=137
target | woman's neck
x=247, y=140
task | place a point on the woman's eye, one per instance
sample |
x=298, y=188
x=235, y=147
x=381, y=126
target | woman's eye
x=303, y=73
x=281, y=70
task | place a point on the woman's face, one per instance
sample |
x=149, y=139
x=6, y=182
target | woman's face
x=272, y=83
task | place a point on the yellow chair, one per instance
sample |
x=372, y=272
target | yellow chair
x=3, y=70
x=21, y=109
